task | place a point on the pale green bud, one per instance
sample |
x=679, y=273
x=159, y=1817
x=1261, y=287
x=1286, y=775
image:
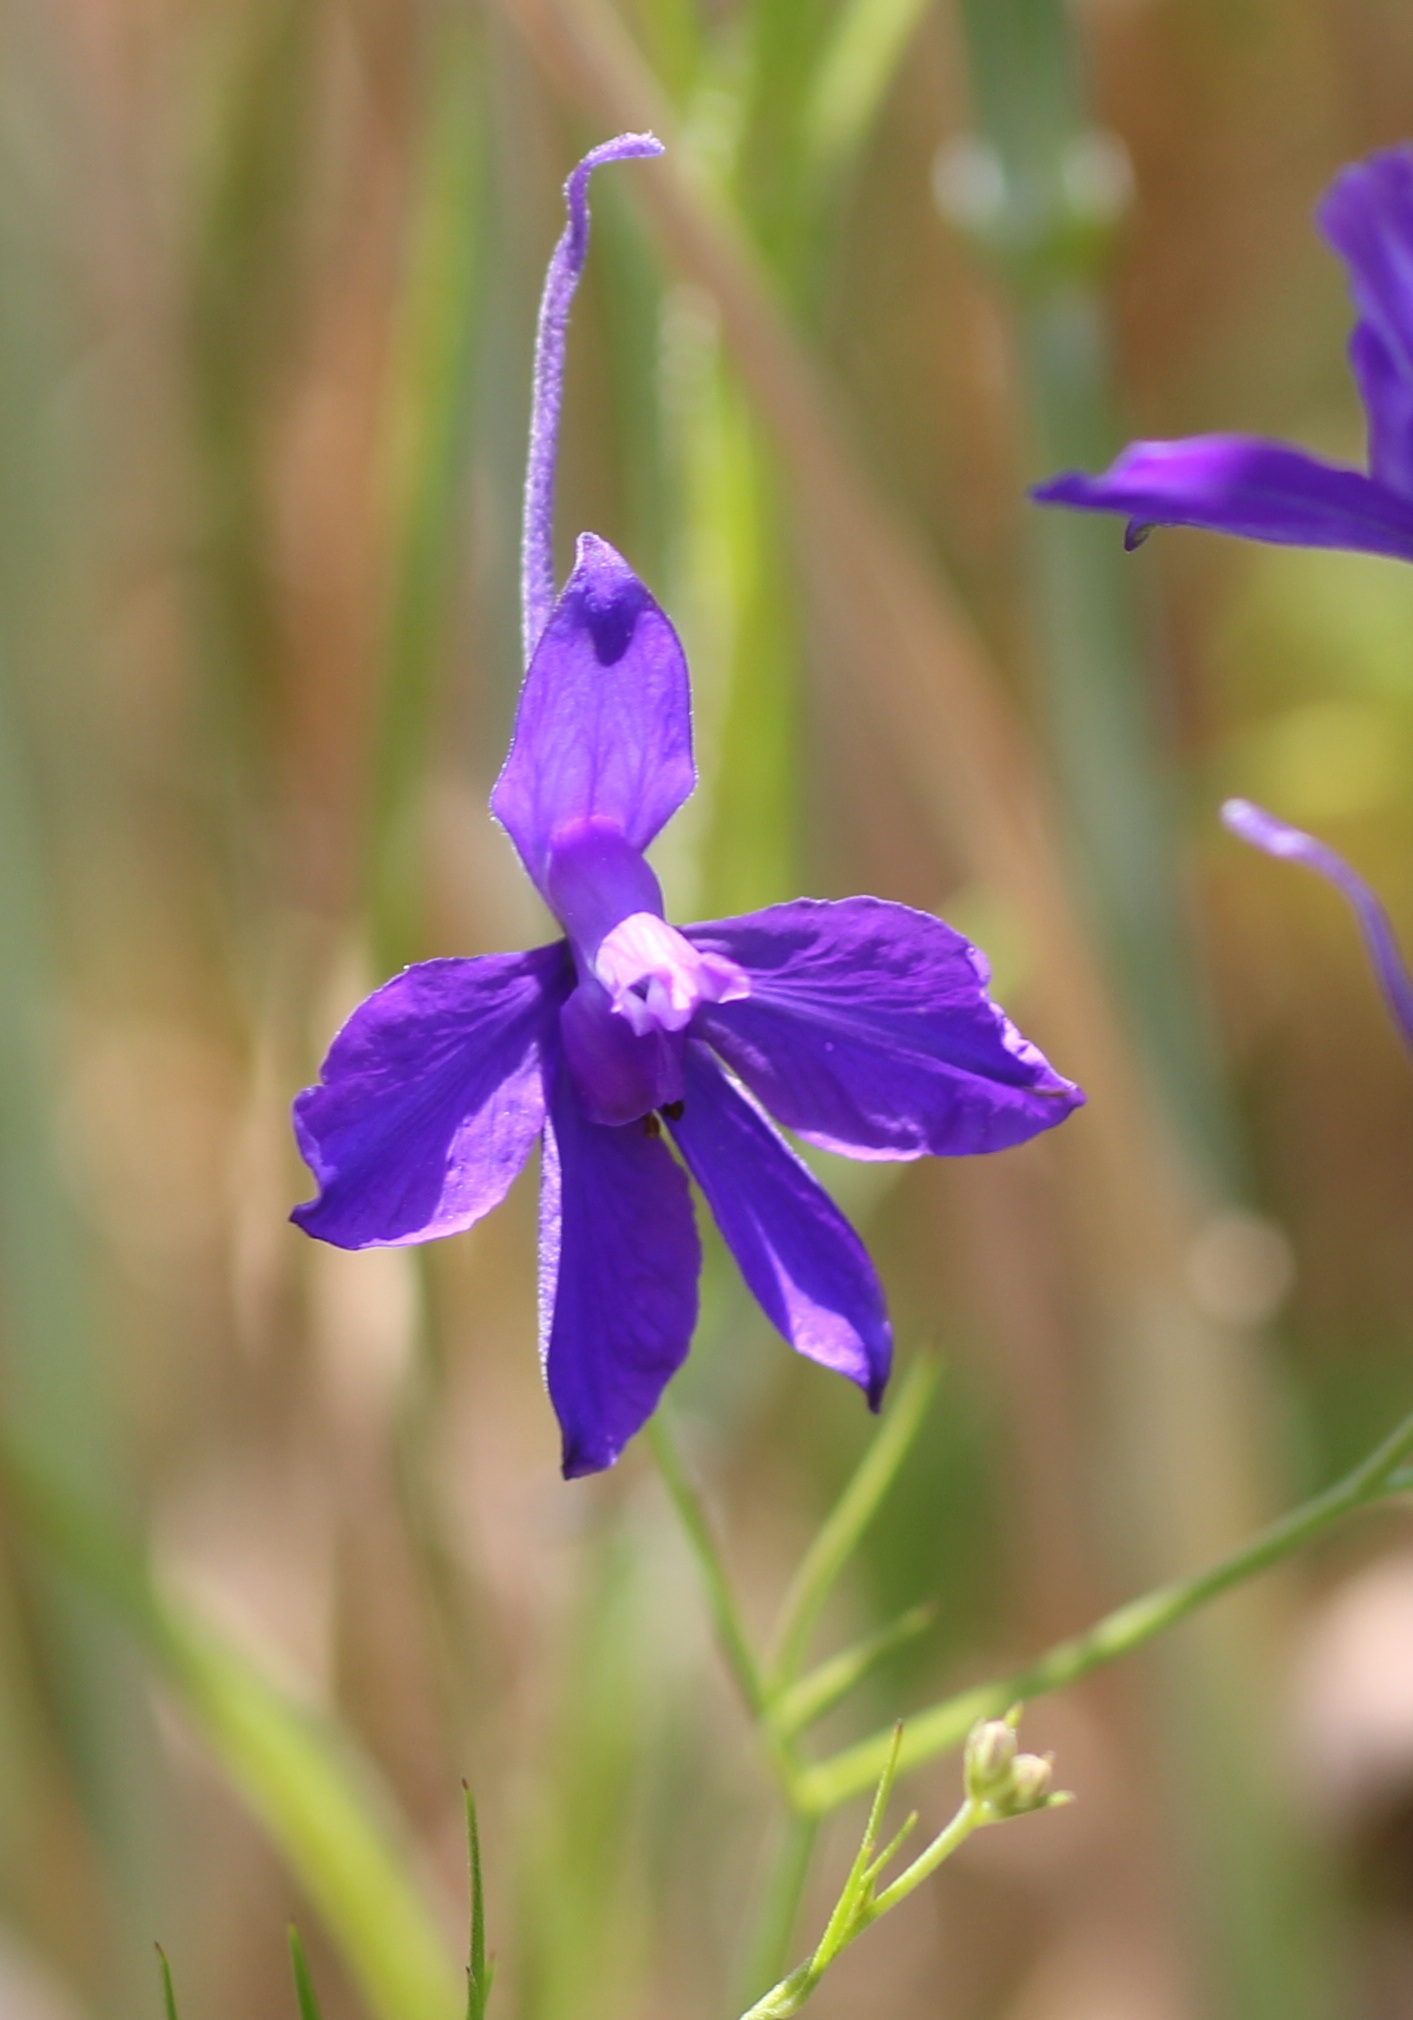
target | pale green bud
x=1028, y=1785
x=990, y=1754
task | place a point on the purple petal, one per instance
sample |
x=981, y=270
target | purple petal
x=1238, y=484
x=604, y=728
x=1388, y=403
x=619, y=1261
x=566, y=265
x=804, y=1263
x=1253, y=824
x=868, y=1030
x=1367, y=216
x=430, y=1098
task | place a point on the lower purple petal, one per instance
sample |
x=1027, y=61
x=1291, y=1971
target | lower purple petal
x=430, y=1098
x=869, y=1030
x=619, y=1262
x=801, y=1259
x=1239, y=484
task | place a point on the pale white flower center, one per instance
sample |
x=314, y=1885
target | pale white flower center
x=656, y=978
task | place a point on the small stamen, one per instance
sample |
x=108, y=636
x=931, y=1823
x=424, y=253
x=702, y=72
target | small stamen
x=673, y=1110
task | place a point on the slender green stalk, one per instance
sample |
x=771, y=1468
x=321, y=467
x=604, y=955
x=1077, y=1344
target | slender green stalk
x=860, y=1905
x=721, y=1600
x=823, y=1687
x=824, y=1787
x=303, y=1984
x=778, y=1906
x=842, y=1532
x=169, y=1994
x=478, y=1971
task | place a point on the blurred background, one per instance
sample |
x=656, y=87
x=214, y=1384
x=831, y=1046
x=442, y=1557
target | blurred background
x=268, y=278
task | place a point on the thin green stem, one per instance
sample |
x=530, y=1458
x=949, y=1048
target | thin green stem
x=721, y=1600
x=856, y=1508
x=824, y=1787
x=858, y=1906
x=969, y=1818
x=779, y=1904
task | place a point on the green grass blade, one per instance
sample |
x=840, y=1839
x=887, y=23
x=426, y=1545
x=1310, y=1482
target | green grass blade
x=318, y=1798
x=852, y=1513
x=863, y=52
x=822, y=1688
x=303, y=1983
x=478, y=1976
x=169, y=1997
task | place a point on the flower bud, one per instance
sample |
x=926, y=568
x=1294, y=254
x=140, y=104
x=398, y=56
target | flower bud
x=990, y=1752
x=1028, y=1785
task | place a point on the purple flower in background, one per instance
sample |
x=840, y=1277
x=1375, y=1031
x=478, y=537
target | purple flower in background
x=1269, y=490
x=1253, y=824
x=863, y=1026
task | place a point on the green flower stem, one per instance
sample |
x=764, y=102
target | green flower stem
x=859, y=1906
x=721, y=1600
x=824, y=1787
x=839, y=1537
x=779, y=1904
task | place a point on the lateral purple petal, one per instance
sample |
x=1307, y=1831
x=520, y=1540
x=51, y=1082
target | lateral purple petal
x=1277, y=838
x=430, y=1098
x=604, y=727
x=1367, y=216
x=805, y=1265
x=1388, y=404
x=1240, y=484
x=619, y=1262
x=869, y=1030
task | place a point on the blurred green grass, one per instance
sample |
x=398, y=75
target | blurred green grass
x=270, y=278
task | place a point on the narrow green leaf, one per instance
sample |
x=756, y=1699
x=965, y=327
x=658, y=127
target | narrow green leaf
x=821, y=1688
x=853, y=76
x=303, y=1983
x=842, y=1924
x=696, y=1524
x=478, y=1975
x=845, y=1526
x=317, y=1796
x=169, y=1997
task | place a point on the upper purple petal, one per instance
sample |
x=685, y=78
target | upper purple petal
x=604, y=727
x=430, y=1098
x=869, y=1030
x=1239, y=484
x=619, y=1261
x=1367, y=216
x=1277, y=838
x=804, y=1263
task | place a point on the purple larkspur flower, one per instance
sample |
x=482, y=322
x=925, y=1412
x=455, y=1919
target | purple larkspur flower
x=863, y=1026
x=1273, y=491
x=1277, y=838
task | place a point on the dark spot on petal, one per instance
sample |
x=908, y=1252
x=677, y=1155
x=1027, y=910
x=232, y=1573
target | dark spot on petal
x=651, y=1126
x=672, y=1109
x=612, y=623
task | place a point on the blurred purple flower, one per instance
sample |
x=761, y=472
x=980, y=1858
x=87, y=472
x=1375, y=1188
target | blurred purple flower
x=1269, y=490
x=1253, y=824
x=863, y=1026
